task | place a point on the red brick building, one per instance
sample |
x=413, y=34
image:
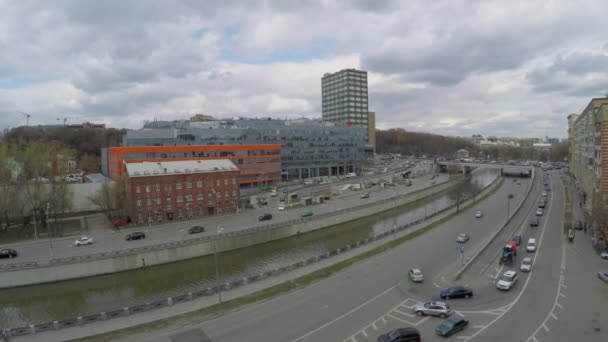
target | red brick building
x=175, y=190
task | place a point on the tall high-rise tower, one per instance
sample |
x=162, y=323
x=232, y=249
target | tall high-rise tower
x=344, y=97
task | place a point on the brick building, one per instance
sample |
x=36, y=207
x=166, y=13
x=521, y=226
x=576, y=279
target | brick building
x=175, y=190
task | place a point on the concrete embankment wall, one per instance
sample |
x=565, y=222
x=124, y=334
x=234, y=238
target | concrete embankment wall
x=130, y=259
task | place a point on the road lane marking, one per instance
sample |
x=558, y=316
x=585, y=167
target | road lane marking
x=344, y=315
x=398, y=319
x=545, y=327
x=560, y=306
x=404, y=313
x=463, y=337
x=364, y=333
x=374, y=326
x=478, y=326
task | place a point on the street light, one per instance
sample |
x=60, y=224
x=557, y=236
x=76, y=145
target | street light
x=217, y=269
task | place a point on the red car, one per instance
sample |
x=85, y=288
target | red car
x=119, y=222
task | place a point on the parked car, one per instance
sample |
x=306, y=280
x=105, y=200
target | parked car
x=534, y=221
x=531, y=245
x=135, y=236
x=456, y=292
x=84, y=240
x=604, y=255
x=365, y=195
x=407, y=334
x=462, y=238
x=542, y=204
x=307, y=213
x=479, y=214
x=539, y=212
x=545, y=194
x=451, y=326
x=120, y=222
x=517, y=239
x=507, y=280
x=603, y=276
x=265, y=217
x=526, y=264
x=441, y=309
x=8, y=253
x=196, y=230
x=415, y=275
x=281, y=206
x=578, y=225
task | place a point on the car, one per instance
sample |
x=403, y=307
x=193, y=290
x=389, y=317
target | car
x=544, y=194
x=415, y=275
x=547, y=188
x=510, y=195
x=604, y=255
x=539, y=212
x=84, y=240
x=531, y=245
x=603, y=276
x=284, y=191
x=517, y=239
x=435, y=308
x=196, y=230
x=120, y=222
x=265, y=217
x=479, y=214
x=534, y=221
x=365, y=195
x=281, y=206
x=451, y=326
x=526, y=264
x=8, y=253
x=456, y=292
x=578, y=225
x=136, y=236
x=507, y=280
x=273, y=194
x=407, y=334
x=307, y=213
x=542, y=204
x=462, y=238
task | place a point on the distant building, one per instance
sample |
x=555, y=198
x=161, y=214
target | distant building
x=86, y=125
x=551, y=141
x=175, y=190
x=542, y=146
x=344, y=97
x=462, y=154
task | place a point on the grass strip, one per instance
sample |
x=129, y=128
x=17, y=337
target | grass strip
x=303, y=281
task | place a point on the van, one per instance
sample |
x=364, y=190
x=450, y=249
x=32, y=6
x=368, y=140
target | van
x=531, y=245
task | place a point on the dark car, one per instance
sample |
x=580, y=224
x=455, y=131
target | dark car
x=8, y=253
x=542, y=204
x=578, y=225
x=451, y=326
x=135, y=236
x=196, y=230
x=406, y=334
x=265, y=217
x=456, y=292
x=516, y=239
x=534, y=221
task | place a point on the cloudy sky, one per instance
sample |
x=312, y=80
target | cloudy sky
x=502, y=68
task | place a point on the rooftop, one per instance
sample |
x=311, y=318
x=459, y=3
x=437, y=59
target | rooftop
x=179, y=167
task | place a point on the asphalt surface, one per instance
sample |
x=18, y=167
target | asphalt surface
x=370, y=297
x=43, y=250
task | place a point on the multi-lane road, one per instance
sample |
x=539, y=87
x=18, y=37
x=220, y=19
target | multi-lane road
x=43, y=250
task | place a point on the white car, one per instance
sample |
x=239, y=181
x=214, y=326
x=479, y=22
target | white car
x=415, y=275
x=604, y=255
x=539, y=212
x=281, y=206
x=526, y=264
x=506, y=282
x=85, y=240
x=531, y=245
x=462, y=238
x=479, y=214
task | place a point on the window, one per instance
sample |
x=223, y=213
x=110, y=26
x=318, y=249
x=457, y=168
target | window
x=158, y=201
x=199, y=183
x=234, y=193
x=225, y=181
x=226, y=194
x=179, y=199
x=147, y=187
x=139, y=203
x=188, y=185
x=149, y=202
x=217, y=182
x=167, y=187
x=168, y=201
x=189, y=198
x=178, y=186
x=199, y=196
x=137, y=189
x=157, y=187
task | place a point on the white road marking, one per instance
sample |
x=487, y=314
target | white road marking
x=463, y=337
x=437, y=286
x=553, y=315
x=562, y=295
x=545, y=327
x=404, y=313
x=398, y=319
x=344, y=315
x=374, y=326
x=364, y=333
x=478, y=326
x=383, y=319
x=560, y=306
x=534, y=339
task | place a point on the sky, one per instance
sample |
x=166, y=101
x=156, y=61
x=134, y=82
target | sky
x=504, y=68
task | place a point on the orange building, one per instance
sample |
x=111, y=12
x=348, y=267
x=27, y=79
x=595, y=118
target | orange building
x=257, y=163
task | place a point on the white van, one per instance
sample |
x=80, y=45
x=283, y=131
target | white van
x=531, y=245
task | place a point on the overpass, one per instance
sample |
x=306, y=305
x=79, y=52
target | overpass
x=504, y=169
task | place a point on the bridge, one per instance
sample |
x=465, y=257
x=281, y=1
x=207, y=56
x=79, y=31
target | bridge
x=504, y=169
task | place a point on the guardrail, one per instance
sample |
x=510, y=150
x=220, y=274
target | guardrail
x=227, y=285
x=173, y=244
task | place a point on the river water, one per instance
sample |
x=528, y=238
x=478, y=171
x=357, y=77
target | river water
x=47, y=302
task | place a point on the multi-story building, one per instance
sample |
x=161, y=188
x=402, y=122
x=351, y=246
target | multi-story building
x=308, y=148
x=175, y=190
x=344, y=97
x=590, y=145
x=259, y=163
x=571, y=120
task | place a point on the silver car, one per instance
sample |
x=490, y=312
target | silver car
x=462, y=238
x=440, y=309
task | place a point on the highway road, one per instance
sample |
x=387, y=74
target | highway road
x=373, y=296
x=42, y=251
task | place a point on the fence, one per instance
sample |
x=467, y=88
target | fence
x=170, y=301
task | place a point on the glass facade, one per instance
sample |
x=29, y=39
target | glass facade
x=308, y=148
x=344, y=97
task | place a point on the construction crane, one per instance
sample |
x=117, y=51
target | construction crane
x=27, y=118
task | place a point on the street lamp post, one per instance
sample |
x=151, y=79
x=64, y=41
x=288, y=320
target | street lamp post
x=48, y=228
x=217, y=269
